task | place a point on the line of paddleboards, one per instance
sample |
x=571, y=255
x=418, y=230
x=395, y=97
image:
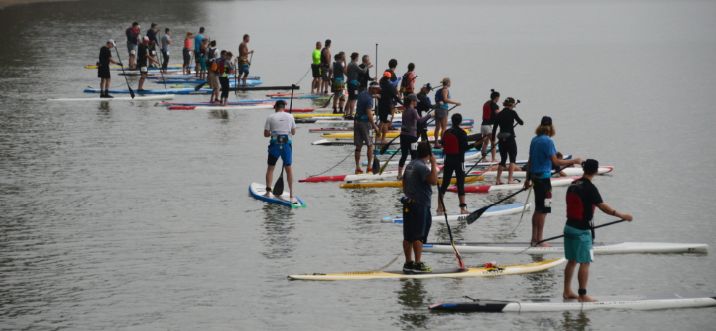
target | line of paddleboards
x=119, y=98
x=398, y=183
x=499, y=210
x=479, y=271
x=558, y=248
x=571, y=171
x=524, y=306
x=258, y=192
x=556, y=182
x=226, y=107
x=184, y=90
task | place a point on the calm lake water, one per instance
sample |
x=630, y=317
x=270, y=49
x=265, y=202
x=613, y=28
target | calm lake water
x=128, y=216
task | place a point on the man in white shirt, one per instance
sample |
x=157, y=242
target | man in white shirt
x=280, y=126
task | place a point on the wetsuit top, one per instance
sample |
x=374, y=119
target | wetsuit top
x=455, y=144
x=489, y=112
x=364, y=76
x=142, y=53
x=316, y=56
x=582, y=198
x=388, y=95
x=104, y=55
x=505, y=120
x=424, y=103
x=152, y=35
x=338, y=70
x=354, y=72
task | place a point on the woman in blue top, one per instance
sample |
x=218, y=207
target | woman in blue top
x=442, y=102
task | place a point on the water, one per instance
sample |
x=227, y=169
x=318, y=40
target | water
x=125, y=215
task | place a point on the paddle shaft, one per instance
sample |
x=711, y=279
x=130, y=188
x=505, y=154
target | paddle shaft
x=131, y=92
x=460, y=262
x=562, y=235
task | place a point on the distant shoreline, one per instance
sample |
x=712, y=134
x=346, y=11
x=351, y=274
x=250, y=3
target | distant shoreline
x=8, y=3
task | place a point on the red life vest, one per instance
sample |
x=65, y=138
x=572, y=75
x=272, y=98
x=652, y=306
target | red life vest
x=451, y=144
x=487, y=111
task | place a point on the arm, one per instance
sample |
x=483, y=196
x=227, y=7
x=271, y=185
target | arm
x=371, y=119
x=518, y=119
x=267, y=133
x=611, y=211
x=448, y=100
x=563, y=163
x=433, y=176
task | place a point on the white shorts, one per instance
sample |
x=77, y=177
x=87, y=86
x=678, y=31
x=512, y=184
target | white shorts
x=143, y=70
x=486, y=130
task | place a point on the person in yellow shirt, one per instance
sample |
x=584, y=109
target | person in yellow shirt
x=316, y=68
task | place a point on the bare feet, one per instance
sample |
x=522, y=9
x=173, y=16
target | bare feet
x=569, y=296
x=586, y=298
x=498, y=183
x=513, y=182
x=464, y=211
x=544, y=245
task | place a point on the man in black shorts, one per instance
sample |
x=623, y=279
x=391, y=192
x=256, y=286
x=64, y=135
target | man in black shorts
x=316, y=68
x=386, y=108
x=105, y=58
x=419, y=177
x=326, y=58
x=353, y=73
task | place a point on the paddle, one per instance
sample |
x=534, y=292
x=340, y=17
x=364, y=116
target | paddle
x=562, y=235
x=460, y=262
x=278, y=187
x=131, y=92
x=472, y=217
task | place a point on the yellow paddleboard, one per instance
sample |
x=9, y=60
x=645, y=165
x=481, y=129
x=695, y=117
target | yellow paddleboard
x=397, y=183
x=480, y=271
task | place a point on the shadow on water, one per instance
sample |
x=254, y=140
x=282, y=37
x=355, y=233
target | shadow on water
x=544, y=284
x=278, y=223
x=412, y=297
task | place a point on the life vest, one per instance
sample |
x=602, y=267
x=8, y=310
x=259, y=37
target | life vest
x=451, y=143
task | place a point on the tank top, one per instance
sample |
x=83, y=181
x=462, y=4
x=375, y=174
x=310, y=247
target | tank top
x=316, y=56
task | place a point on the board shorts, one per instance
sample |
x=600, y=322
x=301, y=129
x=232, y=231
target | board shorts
x=416, y=222
x=441, y=112
x=202, y=63
x=103, y=71
x=186, y=56
x=244, y=69
x=131, y=48
x=486, y=130
x=325, y=72
x=283, y=151
x=143, y=70
x=508, y=150
x=361, y=133
x=578, y=245
x=383, y=113
x=543, y=194
x=338, y=85
x=353, y=90
x=213, y=80
x=316, y=70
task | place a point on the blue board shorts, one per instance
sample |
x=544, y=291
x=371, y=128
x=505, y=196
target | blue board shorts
x=283, y=151
x=416, y=222
x=244, y=69
x=578, y=245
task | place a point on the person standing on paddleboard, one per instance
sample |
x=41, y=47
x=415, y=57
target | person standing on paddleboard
x=489, y=113
x=198, y=39
x=225, y=68
x=582, y=198
x=243, y=59
x=326, y=66
x=387, y=101
x=144, y=58
x=542, y=159
x=186, y=53
x=362, y=125
x=133, y=34
x=280, y=126
x=454, y=147
x=166, y=42
x=442, y=102
x=420, y=176
x=353, y=73
x=365, y=67
x=316, y=68
x=505, y=122
x=152, y=35
x=203, y=56
x=424, y=106
x=339, y=82
x=407, y=84
x=409, y=132
x=213, y=75
x=103, y=72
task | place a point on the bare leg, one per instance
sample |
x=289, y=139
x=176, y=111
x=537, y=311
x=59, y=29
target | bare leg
x=418, y=250
x=463, y=210
x=538, y=228
x=370, y=157
x=269, y=175
x=407, y=251
x=142, y=77
x=510, y=170
x=499, y=174
x=357, y=157
x=289, y=179
x=568, y=273
x=583, y=278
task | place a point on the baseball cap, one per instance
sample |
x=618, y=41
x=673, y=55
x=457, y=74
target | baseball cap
x=387, y=74
x=279, y=104
x=111, y=41
x=546, y=120
x=412, y=97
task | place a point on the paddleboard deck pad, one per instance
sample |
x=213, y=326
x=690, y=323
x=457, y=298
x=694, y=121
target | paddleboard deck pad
x=258, y=192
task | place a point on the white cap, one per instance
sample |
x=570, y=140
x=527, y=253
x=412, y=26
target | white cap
x=111, y=41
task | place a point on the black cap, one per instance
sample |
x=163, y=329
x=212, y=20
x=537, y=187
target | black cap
x=590, y=166
x=546, y=120
x=279, y=104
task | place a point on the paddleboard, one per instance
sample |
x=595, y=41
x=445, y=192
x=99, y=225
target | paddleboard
x=220, y=107
x=571, y=171
x=120, y=98
x=258, y=192
x=558, y=248
x=524, y=306
x=499, y=210
x=556, y=182
x=349, y=134
x=479, y=271
x=398, y=183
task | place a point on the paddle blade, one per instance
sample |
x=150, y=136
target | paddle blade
x=198, y=87
x=472, y=217
x=328, y=102
x=278, y=187
x=376, y=164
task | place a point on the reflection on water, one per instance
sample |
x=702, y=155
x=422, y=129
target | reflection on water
x=578, y=322
x=221, y=114
x=412, y=297
x=543, y=285
x=278, y=222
